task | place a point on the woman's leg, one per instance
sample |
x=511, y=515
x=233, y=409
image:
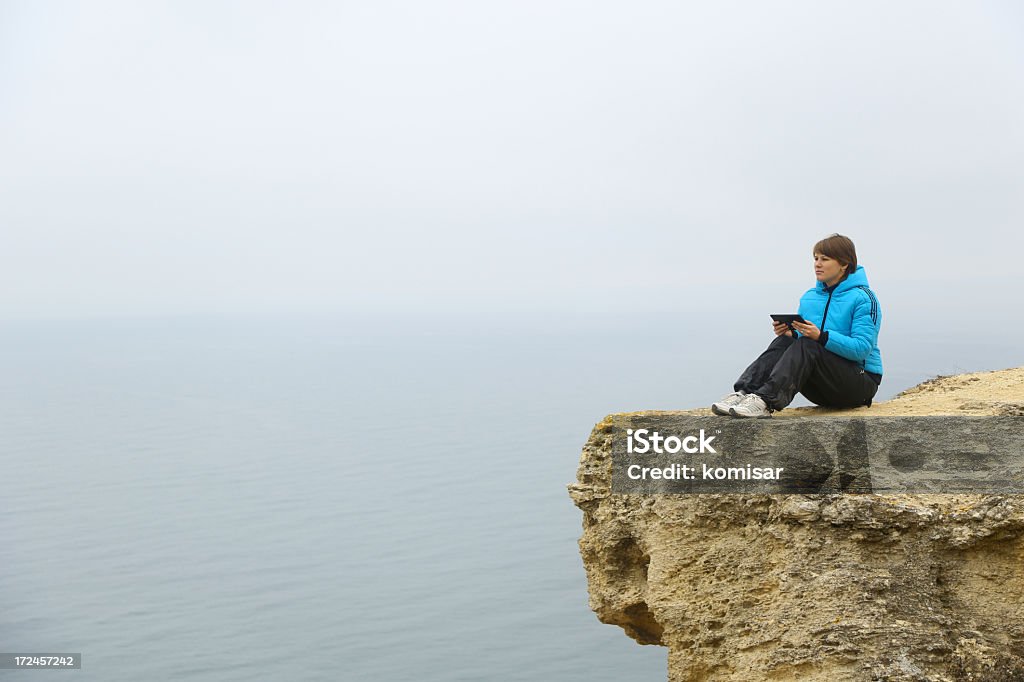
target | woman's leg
x=839, y=383
x=757, y=373
x=822, y=376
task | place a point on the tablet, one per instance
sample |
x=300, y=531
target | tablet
x=788, y=319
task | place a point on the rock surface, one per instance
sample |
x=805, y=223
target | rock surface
x=816, y=587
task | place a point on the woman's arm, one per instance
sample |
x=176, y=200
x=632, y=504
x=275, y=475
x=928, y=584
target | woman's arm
x=863, y=334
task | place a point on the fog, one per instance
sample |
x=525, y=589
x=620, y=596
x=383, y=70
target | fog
x=530, y=157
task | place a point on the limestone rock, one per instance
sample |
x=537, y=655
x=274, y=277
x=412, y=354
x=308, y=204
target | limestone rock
x=816, y=587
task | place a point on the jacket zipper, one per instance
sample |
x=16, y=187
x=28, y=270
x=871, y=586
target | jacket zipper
x=827, y=304
x=824, y=317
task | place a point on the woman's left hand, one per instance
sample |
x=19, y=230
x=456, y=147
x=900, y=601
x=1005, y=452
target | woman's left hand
x=807, y=329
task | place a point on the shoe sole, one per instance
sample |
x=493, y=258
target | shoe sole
x=732, y=411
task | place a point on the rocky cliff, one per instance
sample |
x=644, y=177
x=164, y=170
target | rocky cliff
x=823, y=586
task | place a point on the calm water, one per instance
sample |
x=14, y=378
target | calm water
x=346, y=499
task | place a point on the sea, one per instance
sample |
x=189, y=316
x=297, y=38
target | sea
x=336, y=497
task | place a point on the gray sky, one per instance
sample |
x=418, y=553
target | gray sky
x=209, y=157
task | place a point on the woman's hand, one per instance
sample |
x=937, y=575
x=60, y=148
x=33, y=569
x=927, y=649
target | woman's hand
x=808, y=329
x=781, y=328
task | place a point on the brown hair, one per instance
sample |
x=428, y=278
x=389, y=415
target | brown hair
x=841, y=249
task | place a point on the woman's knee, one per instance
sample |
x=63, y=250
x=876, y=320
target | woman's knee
x=804, y=347
x=808, y=342
x=782, y=341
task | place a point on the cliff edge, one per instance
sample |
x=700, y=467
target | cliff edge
x=817, y=587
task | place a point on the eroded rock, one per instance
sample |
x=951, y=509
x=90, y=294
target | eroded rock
x=810, y=587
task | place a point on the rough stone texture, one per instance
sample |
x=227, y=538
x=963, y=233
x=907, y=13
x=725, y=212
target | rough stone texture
x=823, y=587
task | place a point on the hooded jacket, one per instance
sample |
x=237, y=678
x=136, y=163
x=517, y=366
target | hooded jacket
x=849, y=318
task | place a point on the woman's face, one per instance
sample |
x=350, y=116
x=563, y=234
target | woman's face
x=827, y=270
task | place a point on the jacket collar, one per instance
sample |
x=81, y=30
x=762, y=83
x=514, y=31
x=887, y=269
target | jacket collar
x=855, y=279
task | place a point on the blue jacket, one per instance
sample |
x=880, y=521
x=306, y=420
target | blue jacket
x=850, y=314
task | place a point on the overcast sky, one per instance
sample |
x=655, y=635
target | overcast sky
x=216, y=157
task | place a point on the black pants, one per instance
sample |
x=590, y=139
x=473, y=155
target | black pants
x=801, y=365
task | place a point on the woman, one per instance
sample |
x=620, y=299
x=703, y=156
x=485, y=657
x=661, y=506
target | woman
x=833, y=357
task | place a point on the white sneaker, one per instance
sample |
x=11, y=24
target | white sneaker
x=731, y=400
x=752, y=405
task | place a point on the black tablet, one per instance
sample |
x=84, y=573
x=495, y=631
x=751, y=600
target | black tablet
x=788, y=319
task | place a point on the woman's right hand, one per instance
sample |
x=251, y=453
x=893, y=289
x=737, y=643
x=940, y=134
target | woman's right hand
x=781, y=328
